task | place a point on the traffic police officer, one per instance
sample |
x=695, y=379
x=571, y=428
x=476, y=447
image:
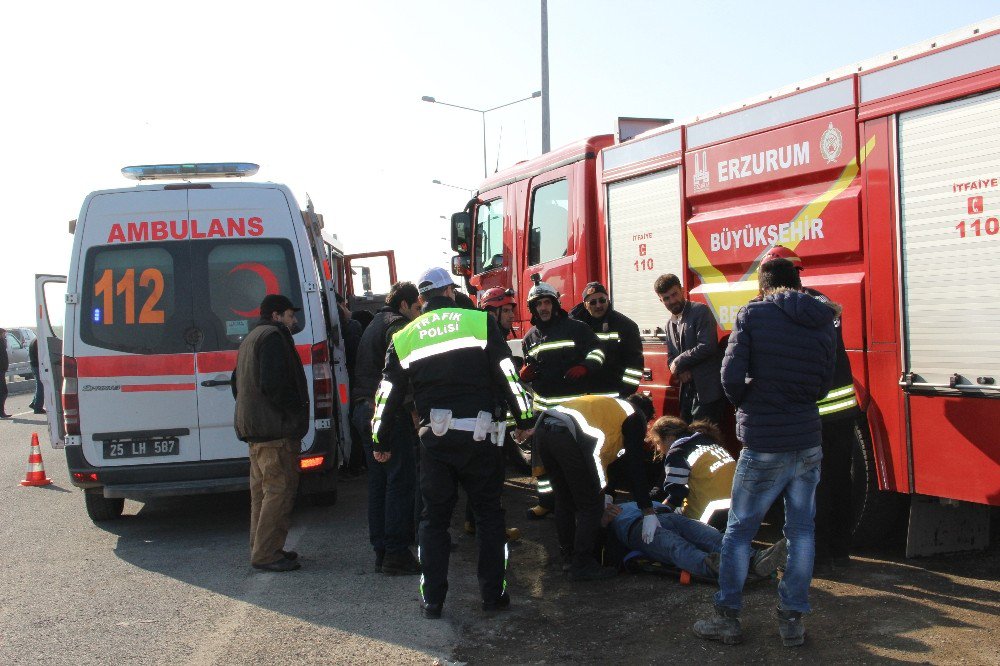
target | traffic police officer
x=457, y=364
x=560, y=354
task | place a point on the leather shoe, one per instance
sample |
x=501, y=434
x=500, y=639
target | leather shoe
x=431, y=611
x=279, y=566
x=289, y=554
x=400, y=564
x=6, y=416
x=503, y=603
x=40, y=411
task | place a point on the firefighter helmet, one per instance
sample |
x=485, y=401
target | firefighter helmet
x=782, y=252
x=542, y=290
x=497, y=297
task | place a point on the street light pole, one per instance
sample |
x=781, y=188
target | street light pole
x=456, y=187
x=482, y=112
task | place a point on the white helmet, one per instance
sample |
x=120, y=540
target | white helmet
x=542, y=290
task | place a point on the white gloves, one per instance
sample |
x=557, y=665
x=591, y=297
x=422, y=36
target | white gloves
x=649, y=525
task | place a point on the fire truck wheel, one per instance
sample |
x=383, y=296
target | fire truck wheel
x=879, y=516
x=101, y=508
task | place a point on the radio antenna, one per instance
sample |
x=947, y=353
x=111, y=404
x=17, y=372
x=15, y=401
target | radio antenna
x=499, y=141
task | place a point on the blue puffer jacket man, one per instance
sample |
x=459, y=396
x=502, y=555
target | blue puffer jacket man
x=779, y=362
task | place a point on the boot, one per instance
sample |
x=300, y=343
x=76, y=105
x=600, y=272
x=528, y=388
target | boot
x=766, y=562
x=401, y=563
x=725, y=626
x=791, y=628
x=537, y=511
x=513, y=534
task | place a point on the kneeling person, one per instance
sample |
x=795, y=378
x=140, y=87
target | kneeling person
x=576, y=442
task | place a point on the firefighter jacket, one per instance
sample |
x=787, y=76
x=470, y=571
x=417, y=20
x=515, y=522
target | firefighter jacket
x=842, y=401
x=608, y=430
x=454, y=359
x=622, y=347
x=553, y=347
x=269, y=384
x=698, y=476
x=371, y=352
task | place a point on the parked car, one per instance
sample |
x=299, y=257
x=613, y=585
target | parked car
x=17, y=352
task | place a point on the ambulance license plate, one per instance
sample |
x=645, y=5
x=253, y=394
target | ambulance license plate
x=142, y=448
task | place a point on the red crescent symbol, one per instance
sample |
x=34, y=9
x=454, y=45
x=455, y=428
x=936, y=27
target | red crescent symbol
x=267, y=276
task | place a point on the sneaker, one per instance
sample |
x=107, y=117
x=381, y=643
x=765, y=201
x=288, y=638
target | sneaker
x=513, y=534
x=402, y=563
x=725, y=627
x=591, y=572
x=712, y=563
x=766, y=562
x=537, y=511
x=503, y=603
x=278, y=566
x=379, y=558
x=431, y=611
x=791, y=628
x=289, y=554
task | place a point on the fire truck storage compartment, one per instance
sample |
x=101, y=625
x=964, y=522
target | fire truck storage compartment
x=644, y=241
x=950, y=237
x=949, y=160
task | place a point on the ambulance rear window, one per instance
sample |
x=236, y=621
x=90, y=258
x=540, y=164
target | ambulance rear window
x=240, y=274
x=130, y=298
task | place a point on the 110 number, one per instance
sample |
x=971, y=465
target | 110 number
x=644, y=264
x=991, y=227
x=106, y=289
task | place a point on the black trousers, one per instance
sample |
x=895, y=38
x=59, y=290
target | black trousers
x=834, y=510
x=445, y=463
x=579, y=501
x=691, y=409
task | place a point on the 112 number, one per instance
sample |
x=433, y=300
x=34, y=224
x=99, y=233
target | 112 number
x=106, y=289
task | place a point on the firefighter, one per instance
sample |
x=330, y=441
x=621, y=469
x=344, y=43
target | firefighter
x=620, y=342
x=560, y=353
x=839, y=412
x=576, y=441
x=457, y=364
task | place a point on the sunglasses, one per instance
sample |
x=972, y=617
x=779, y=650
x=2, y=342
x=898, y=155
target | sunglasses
x=597, y=301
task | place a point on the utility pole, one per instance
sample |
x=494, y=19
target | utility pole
x=546, y=143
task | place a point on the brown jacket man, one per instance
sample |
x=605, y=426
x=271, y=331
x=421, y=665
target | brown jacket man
x=272, y=416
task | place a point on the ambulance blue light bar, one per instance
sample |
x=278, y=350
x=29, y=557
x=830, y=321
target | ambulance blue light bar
x=186, y=171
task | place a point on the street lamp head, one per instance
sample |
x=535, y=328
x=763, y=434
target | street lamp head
x=537, y=93
x=428, y=98
x=437, y=182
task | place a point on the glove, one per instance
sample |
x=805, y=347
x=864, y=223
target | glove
x=528, y=372
x=649, y=525
x=576, y=372
x=608, y=499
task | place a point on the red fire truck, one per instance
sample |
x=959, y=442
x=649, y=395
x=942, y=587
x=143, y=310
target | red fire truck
x=884, y=177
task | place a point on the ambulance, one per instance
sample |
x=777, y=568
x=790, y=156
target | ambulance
x=165, y=281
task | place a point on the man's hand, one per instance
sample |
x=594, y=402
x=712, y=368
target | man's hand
x=610, y=511
x=649, y=525
x=382, y=456
x=576, y=372
x=673, y=367
x=521, y=435
x=528, y=372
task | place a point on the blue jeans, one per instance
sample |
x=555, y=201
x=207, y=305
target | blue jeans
x=392, y=485
x=680, y=541
x=760, y=479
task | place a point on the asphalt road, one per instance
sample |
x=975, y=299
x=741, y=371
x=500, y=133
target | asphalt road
x=170, y=583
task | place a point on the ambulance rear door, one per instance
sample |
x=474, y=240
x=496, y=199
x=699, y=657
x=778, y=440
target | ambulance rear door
x=50, y=313
x=250, y=249
x=131, y=293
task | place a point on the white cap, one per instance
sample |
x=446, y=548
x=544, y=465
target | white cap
x=434, y=278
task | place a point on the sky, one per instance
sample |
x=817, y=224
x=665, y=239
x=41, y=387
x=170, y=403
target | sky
x=326, y=97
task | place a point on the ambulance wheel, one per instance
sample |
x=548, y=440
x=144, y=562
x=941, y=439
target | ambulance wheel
x=325, y=498
x=101, y=508
x=879, y=515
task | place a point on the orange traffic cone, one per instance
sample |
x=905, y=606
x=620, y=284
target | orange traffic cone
x=36, y=468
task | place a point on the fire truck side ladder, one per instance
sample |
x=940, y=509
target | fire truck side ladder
x=338, y=355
